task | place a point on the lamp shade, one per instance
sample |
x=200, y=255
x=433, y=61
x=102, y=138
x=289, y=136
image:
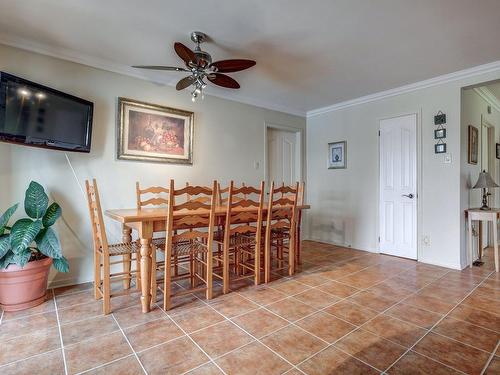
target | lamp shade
x=484, y=181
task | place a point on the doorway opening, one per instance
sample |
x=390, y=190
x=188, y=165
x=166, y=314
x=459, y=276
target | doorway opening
x=480, y=129
x=283, y=154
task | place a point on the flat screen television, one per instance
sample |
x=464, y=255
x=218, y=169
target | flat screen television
x=36, y=115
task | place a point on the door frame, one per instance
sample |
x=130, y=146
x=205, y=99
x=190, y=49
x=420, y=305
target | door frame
x=299, y=134
x=491, y=140
x=419, y=192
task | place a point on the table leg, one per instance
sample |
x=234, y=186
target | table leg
x=495, y=242
x=480, y=240
x=297, y=244
x=127, y=262
x=469, y=235
x=146, y=236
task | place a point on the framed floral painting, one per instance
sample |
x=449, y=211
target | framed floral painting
x=150, y=132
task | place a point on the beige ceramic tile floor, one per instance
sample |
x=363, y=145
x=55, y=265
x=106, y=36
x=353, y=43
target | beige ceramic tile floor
x=345, y=312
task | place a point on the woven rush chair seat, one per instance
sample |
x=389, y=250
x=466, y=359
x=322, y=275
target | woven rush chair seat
x=159, y=243
x=238, y=239
x=192, y=247
x=123, y=248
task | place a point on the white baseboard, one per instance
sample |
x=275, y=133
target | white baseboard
x=426, y=261
x=350, y=246
x=67, y=282
x=441, y=264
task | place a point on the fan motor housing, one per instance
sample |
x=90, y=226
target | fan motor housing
x=203, y=58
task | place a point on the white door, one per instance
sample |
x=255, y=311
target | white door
x=283, y=150
x=398, y=186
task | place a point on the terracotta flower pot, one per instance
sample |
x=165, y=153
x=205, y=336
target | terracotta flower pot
x=22, y=288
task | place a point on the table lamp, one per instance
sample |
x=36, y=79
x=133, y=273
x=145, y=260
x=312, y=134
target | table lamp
x=484, y=182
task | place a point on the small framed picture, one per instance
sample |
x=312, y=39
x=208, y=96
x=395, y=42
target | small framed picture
x=337, y=152
x=439, y=133
x=498, y=151
x=440, y=148
x=473, y=146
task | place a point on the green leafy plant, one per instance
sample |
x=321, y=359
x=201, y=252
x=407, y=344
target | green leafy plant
x=32, y=238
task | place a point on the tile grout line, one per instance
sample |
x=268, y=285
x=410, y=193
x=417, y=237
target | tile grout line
x=190, y=338
x=248, y=333
x=196, y=368
x=129, y=344
x=309, y=288
x=130, y=355
x=28, y=316
x=384, y=311
x=357, y=327
x=292, y=323
x=326, y=307
x=102, y=316
x=105, y=364
x=237, y=316
x=29, y=357
x=60, y=334
x=490, y=359
x=439, y=321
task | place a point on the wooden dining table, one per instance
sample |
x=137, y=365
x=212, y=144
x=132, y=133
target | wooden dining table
x=147, y=221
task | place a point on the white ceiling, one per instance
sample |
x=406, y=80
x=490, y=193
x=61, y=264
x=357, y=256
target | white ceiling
x=309, y=54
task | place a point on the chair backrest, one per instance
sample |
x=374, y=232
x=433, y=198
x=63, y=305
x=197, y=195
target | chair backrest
x=197, y=203
x=282, y=207
x=96, y=218
x=223, y=195
x=197, y=197
x=154, y=196
x=238, y=219
x=301, y=194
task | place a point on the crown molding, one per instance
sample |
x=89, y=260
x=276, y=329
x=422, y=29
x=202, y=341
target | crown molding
x=461, y=74
x=83, y=59
x=488, y=96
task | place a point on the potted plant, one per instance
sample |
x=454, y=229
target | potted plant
x=27, y=249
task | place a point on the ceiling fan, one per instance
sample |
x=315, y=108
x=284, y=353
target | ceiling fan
x=200, y=66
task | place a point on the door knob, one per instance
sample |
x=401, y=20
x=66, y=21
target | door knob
x=408, y=196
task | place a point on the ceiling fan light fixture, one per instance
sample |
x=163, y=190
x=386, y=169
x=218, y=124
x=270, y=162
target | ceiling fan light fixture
x=199, y=64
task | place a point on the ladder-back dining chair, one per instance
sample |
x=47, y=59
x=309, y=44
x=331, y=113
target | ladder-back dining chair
x=152, y=197
x=281, y=226
x=241, y=241
x=105, y=252
x=186, y=242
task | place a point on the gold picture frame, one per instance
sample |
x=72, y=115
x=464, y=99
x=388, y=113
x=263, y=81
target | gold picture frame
x=154, y=133
x=473, y=145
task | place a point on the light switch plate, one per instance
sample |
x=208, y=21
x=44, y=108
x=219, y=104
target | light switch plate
x=447, y=159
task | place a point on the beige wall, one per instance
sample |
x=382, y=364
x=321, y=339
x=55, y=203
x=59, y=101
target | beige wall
x=229, y=138
x=345, y=202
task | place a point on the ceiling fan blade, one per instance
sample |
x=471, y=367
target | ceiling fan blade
x=223, y=80
x=184, y=53
x=235, y=65
x=160, y=67
x=185, y=82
